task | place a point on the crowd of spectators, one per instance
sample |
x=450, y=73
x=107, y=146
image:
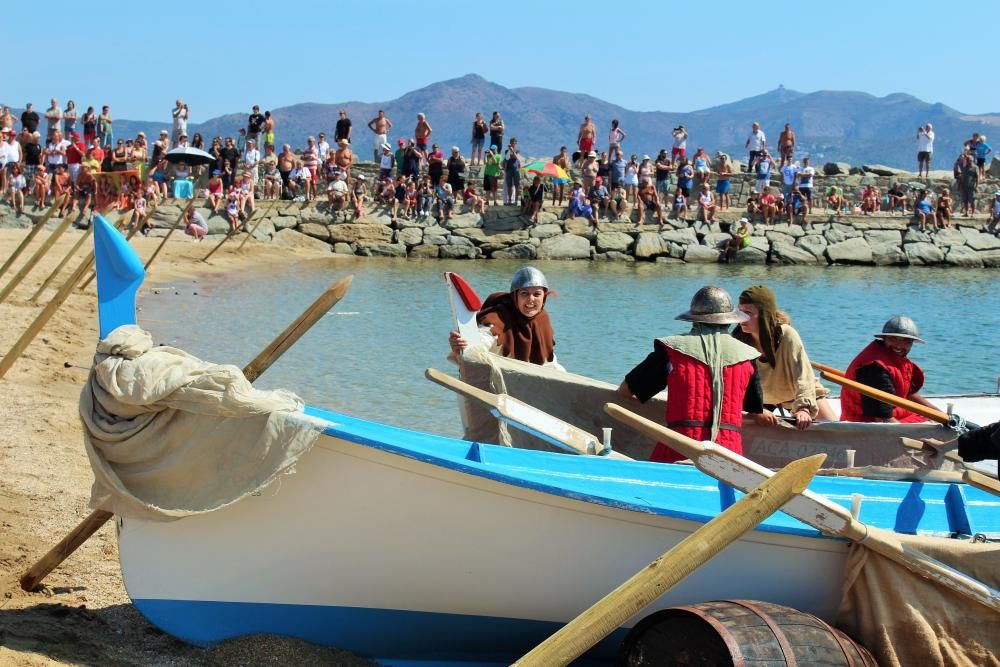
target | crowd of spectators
x=417, y=178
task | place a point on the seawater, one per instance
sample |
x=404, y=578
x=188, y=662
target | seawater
x=367, y=356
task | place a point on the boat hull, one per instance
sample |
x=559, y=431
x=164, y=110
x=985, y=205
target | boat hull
x=402, y=560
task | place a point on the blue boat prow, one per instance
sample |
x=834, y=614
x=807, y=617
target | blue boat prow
x=119, y=275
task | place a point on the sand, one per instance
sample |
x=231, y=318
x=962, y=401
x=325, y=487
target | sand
x=81, y=613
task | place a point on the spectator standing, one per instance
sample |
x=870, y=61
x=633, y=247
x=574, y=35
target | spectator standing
x=789, y=174
x=89, y=126
x=491, y=173
x=412, y=157
x=380, y=126
x=435, y=165
x=786, y=144
x=230, y=160
x=75, y=153
x=559, y=184
x=806, y=175
x=724, y=172
x=29, y=118
x=322, y=147
x=55, y=151
x=479, y=131
x=286, y=162
x=616, y=168
x=7, y=120
x=251, y=160
x=756, y=143
x=512, y=172
x=343, y=128
x=679, y=149
x=160, y=148
x=586, y=136
x=456, y=170
x=31, y=148
x=968, y=181
x=105, y=127
x=632, y=178
x=616, y=136
x=422, y=133
x=386, y=162
x=69, y=119
x=255, y=125
x=344, y=157
x=399, y=157
x=268, y=128
x=982, y=150
x=180, y=116
x=497, y=128
x=762, y=166
x=663, y=167
x=925, y=149
x=53, y=117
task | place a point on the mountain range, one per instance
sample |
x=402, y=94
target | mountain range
x=845, y=126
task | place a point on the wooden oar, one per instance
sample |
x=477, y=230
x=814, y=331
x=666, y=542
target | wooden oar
x=529, y=419
x=177, y=222
x=230, y=235
x=981, y=482
x=918, y=445
x=930, y=413
x=583, y=632
x=62, y=263
x=66, y=546
x=256, y=225
x=810, y=508
x=826, y=369
x=35, y=258
x=39, y=226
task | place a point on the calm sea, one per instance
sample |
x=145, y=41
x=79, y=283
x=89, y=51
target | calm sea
x=367, y=357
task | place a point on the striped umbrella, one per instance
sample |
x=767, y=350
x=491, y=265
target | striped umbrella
x=546, y=169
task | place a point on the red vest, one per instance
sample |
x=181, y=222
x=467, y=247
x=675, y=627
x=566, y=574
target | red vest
x=907, y=378
x=689, y=403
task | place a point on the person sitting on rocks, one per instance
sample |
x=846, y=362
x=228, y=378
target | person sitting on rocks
x=598, y=195
x=995, y=213
x=410, y=207
x=706, y=204
x=739, y=238
x=536, y=195
x=753, y=206
x=336, y=193
x=648, y=201
x=944, y=204
x=358, y=196
x=702, y=165
x=475, y=203
x=923, y=208
x=897, y=197
x=579, y=205
x=679, y=209
x=398, y=196
x=272, y=182
x=768, y=205
x=869, y=200
x=835, y=199
x=797, y=206
x=618, y=203
x=445, y=200
x=40, y=189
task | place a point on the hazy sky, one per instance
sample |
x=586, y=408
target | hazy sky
x=226, y=56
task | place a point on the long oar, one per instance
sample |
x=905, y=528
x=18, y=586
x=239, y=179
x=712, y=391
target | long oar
x=39, y=254
x=254, y=228
x=39, y=226
x=67, y=545
x=930, y=413
x=164, y=241
x=529, y=419
x=604, y=617
x=826, y=369
x=810, y=508
x=62, y=264
x=970, y=477
x=227, y=237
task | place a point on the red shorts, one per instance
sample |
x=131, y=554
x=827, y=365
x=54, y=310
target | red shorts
x=586, y=145
x=675, y=152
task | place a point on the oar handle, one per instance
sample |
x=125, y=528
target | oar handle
x=884, y=396
x=917, y=445
x=982, y=482
x=826, y=369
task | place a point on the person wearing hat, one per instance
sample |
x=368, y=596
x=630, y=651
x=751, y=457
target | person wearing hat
x=709, y=376
x=884, y=365
x=517, y=320
x=588, y=170
x=786, y=377
x=75, y=153
x=385, y=162
x=358, y=195
x=216, y=190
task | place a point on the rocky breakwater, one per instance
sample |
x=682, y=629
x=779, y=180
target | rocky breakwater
x=502, y=233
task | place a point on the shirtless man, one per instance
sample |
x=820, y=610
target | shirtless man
x=559, y=184
x=786, y=143
x=344, y=158
x=586, y=136
x=422, y=132
x=86, y=186
x=380, y=125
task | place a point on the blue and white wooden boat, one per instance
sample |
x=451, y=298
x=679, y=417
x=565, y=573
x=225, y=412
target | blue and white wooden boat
x=416, y=549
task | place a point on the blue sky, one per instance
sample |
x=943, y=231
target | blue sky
x=655, y=56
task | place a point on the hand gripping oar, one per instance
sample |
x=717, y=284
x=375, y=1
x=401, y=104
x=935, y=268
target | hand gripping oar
x=954, y=422
x=970, y=477
x=583, y=632
x=811, y=508
x=529, y=419
x=50, y=561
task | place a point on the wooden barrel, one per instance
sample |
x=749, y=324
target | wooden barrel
x=739, y=633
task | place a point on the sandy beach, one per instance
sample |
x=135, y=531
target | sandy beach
x=81, y=614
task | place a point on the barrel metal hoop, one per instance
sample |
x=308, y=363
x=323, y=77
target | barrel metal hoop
x=843, y=644
x=724, y=633
x=778, y=633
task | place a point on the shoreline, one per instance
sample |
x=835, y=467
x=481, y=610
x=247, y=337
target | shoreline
x=82, y=614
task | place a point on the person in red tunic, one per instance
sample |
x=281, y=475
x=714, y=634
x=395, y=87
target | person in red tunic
x=884, y=365
x=709, y=376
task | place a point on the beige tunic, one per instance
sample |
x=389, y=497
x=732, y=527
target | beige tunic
x=791, y=383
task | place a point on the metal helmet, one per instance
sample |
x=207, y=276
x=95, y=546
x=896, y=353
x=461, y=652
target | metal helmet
x=713, y=305
x=901, y=326
x=529, y=276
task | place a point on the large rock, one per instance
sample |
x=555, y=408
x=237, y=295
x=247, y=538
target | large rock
x=613, y=256
x=581, y=227
x=874, y=236
x=343, y=248
x=264, y=231
x=289, y=238
x=946, y=238
x=917, y=236
x=716, y=239
x=650, y=244
x=991, y=258
x=792, y=230
x=424, y=251
x=321, y=232
x=682, y=236
x=457, y=252
x=779, y=237
x=474, y=234
x=613, y=241
x=815, y=244
x=786, y=253
x=836, y=169
x=960, y=255
x=545, y=231
x=284, y=222
x=699, y=254
x=567, y=246
x=313, y=216
x=883, y=170
x=464, y=220
x=978, y=240
x=760, y=243
x=994, y=170
x=379, y=249
x=517, y=251
x=923, y=253
x=851, y=251
x=352, y=232
x=750, y=255
x=887, y=253
x=410, y=236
